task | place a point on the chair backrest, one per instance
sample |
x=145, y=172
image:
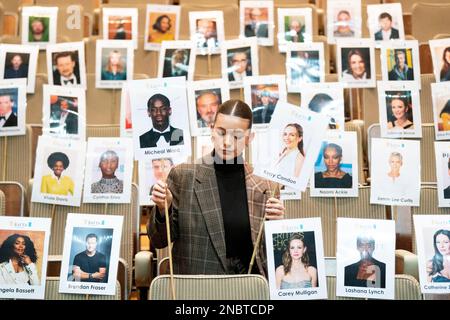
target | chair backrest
x=426, y=99
x=52, y=292
x=429, y=19
x=14, y=194
x=34, y=101
x=130, y=212
x=54, y=270
x=211, y=287
x=2, y=203
x=360, y=207
x=358, y=127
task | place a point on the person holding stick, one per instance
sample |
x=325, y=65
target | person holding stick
x=216, y=206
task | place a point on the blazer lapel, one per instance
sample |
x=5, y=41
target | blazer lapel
x=207, y=193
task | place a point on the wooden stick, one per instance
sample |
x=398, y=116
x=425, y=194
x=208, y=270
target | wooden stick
x=209, y=64
x=87, y=296
x=5, y=156
x=241, y=94
x=169, y=242
x=106, y=208
x=258, y=240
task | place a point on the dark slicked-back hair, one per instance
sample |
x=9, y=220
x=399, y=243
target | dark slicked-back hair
x=236, y=108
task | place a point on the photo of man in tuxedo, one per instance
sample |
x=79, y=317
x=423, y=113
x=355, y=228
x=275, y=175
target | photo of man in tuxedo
x=66, y=69
x=64, y=116
x=7, y=117
x=162, y=133
x=386, y=32
x=256, y=26
x=367, y=272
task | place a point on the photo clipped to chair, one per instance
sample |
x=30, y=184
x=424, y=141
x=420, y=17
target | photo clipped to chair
x=326, y=98
x=113, y=63
x=239, y=60
x=343, y=19
x=356, y=62
x=66, y=64
x=400, y=61
x=120, y=24
x=365, y=257
x=13, y=103
x=126, y=125
x=442, y=155
x=399, y=109
x=294, y=141
x=64, y=112
x=262, y=94
x=294, y=25
x=295, y=259
x=177, y=59
x=39, y=25
x=336, y=167
x=160, y=122
x=151, y=171
x=19, y=61
x=440, y=93
x=162, y=24
x=109, y=170
x=256, y=20
x=385, y=22
x=24, y=245
x=304, y=64
x=207, y=31
x=433, y=252
x=440, y=54
x=395, y=172
x=91, y=254
x=205, y=97
x=59, y=170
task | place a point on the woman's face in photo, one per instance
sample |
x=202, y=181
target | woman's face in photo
x=164, y=25
x=291, y=137
x=398, y=109
x=447, y=56
x=443, y=244
x=58, y=168
x=395, y=163
x=19, y=246
x=357, y=65
x=296, y=249
x=331, y=158
x=114, y=58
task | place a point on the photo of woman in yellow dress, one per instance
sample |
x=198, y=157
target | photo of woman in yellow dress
x=56, y=182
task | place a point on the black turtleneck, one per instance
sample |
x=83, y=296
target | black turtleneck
x=233, y=199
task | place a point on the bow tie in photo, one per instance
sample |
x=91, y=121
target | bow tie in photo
x=68, y=81
x=166, y=135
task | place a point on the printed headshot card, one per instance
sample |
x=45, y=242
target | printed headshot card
x=58, y=171
x=13, y=103
x=91, y=254
x=109, y=170
x=256, y=20
x=66, y=64
x=365, y=258
x=114, y=63
x=239, y=60
x=262, y=95
x=204, y=146
x=162, y=24
x=177, y=59
x=304, y=64
x=24, y=245
x=120, y=24
x=343, y=19
x=400, y=61
x=336, y=168
x=205, y=97
x=440, y=93
x=442, y=155
x=385, y=22
x=356, y=62
x=440, y=54
x=160, y=118
x=433, y=252
x=126, y=125
x=395, y=172
x=326, y=98
x=399, y=109
x=64, y=112
x=294, y=141
x=294, y=25
x=39, y=25
x=19, y=61
x=207, y=31
x=295, y=259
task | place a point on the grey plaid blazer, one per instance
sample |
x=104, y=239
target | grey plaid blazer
x=196, y=221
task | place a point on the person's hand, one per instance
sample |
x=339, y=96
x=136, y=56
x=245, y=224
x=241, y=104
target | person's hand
x=159, y=193
x=274, y=209
x=25, y=259
x=98, y=275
